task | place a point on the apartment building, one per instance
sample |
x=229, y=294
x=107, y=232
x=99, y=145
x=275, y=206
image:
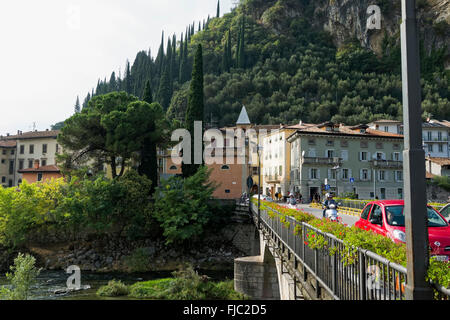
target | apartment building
x=436, y=139
x=277, y=159
x=346, y=159
x=391, y=126
x=438, y=166
x=7, y=162
x=26, y=150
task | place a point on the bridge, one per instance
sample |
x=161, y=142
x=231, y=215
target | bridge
x=288, y=269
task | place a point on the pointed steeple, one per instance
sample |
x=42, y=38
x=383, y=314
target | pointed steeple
x=243, y=117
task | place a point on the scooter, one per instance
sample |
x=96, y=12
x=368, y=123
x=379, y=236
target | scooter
x=332, y=214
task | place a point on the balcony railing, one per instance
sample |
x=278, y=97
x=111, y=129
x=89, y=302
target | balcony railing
x=386, y=164
x=322, y=161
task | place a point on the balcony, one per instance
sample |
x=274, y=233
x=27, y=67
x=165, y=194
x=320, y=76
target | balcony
x=386, y=164
x=322, y=161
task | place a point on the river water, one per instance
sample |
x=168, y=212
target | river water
x=49, y=281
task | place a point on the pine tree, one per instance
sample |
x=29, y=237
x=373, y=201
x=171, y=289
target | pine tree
x=77, y=105
x=195, y=109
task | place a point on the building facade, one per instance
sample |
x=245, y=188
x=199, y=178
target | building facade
x=24, y=150
x=435, y=136
x=339, y=159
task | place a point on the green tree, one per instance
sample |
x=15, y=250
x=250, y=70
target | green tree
x=195, y=108
x=182, y=206
x=77, y=108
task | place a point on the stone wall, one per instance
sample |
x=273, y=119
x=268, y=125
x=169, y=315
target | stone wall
x=216, y=251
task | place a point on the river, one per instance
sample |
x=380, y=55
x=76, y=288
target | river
x=49, y=281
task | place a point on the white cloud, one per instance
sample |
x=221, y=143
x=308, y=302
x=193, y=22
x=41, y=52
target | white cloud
x=54, y=50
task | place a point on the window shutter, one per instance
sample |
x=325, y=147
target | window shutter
x=360, y=157
x=309, y=173
x=318, y=173
x=350, y=173
x=369, y=174
x=368, y=156
x=329, y=174
x=361, y=174
x=383, y=156
x=386, y=175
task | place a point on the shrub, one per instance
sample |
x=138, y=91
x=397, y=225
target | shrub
x=23, y=276
x=138, y=260
x=114, y=288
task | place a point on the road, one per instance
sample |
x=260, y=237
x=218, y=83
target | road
x=347, y=219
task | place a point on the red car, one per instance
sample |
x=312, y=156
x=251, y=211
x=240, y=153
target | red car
x=386, y=217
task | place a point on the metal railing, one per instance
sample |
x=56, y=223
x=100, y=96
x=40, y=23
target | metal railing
x=367, y=276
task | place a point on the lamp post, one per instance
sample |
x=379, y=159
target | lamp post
x=416, y=224
x=336, y=168
x=259, y=150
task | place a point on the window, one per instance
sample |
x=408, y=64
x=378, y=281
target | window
x=312, y=142
x=12, y=152
x=44, y=148
x=396, y=146
x=439, y=136
x=20, y=164
x=43, y=162
x=225, y=167
x=365, y=212
x=345, y=174
x=330, y=153
x=3, y=179
x=10, y=183
x=363, y=155
x=227, y=191
x=429, y=136
x=22, y=149
x=376, y=216
x=398, y=175
x=4, y=151
x=441, y=147
x=382, y=193
x=344, y=155
x=381, y=175
x=379, y=145
x=30, y=164
x=31, y=148
x=396, y=156
x=330, y=143
x=386, y=129
x=344, y=143
x=3, y=160
x=400, y=193
x=364, y=174
x=364, y=144
x=380, y=156
x=430, y=147
x=11, y=166
x=173, y=168
x=314, y=174
x=39, y=176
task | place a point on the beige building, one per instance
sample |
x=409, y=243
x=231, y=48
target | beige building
x=29, y=147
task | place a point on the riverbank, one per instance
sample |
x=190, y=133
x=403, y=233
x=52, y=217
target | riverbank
x=216, y=251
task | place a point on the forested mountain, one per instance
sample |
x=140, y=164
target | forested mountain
x=291, y=60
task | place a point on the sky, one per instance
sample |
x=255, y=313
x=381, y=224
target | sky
x=53, y=50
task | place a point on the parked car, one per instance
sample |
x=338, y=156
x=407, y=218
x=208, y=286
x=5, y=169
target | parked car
x=445, y=212
x=386, y=217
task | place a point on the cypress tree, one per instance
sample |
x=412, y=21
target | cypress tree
x=147, y=94
x=241, y=56
x=77, y=105
x=128, y=82
x=195, y=108
x=164, y=90
x=148, y=156
x=218, y=9
x=173, y=63
x=112, y=82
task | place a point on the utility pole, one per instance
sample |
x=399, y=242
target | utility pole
x=416, y=220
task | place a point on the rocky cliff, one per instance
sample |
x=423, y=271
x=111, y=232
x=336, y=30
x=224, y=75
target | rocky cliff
x=347, y=19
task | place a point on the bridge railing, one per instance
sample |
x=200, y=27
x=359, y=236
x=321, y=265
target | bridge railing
x=345, y=273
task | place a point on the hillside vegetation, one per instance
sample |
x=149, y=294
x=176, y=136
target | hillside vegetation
x=271, y=57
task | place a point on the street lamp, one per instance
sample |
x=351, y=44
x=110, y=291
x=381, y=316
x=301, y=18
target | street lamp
x=336, y=176
x=259, y=149
x=416, y=224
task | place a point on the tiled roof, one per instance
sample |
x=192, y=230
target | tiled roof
x=386, y=121
x=7, y=144
x=440, y=161
x=33, y=135
x=50, y=168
